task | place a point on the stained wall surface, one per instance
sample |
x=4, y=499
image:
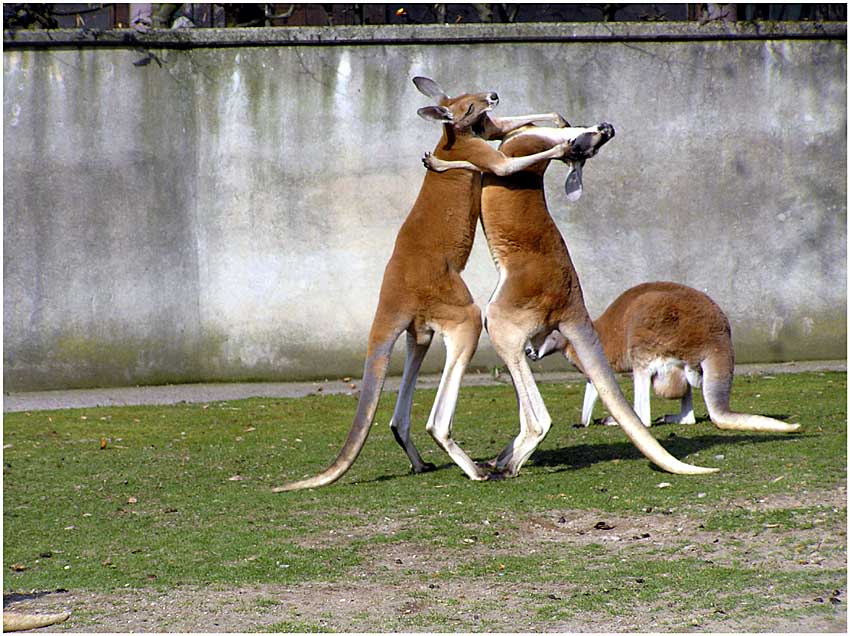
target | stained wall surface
x=226, y=212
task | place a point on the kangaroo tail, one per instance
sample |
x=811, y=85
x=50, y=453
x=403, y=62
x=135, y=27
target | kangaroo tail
x=374, y=373
x=586, y=344
x=718, y=371
x=18, y=621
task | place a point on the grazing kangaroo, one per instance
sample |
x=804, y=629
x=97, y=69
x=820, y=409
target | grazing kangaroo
x=539, y=290
x=422, y=291
x=674, y=338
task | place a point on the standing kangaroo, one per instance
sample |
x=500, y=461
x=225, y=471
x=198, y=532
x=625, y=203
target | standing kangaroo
x=422, y=291
x=539, y=291
x=674, y=338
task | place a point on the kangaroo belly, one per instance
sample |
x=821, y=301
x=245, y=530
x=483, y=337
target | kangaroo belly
x=671, y=377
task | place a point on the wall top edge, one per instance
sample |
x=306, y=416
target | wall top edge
x=431, y=33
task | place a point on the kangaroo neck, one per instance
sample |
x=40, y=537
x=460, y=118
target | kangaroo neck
x=449, y=137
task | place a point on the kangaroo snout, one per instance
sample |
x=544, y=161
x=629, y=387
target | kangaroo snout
x=587, y=144
x=531, y=353
x=493, y=98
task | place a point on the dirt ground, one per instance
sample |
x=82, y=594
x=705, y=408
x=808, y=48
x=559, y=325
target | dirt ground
x=413, y=601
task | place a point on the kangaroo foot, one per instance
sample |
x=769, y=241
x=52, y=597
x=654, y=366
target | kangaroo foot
x=679, y=419
x=488, y=465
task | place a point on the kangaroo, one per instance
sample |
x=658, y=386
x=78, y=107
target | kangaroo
x=672, y=337
x=539, y=290
x=668, y=380
x=422, y=291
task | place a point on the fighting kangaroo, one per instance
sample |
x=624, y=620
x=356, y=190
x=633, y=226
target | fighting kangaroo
x=422, y=291
x=539, y=291
x=674, y=338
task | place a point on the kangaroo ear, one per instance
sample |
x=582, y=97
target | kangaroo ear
x=429, y=87
x=436, y=113
x=572, y=185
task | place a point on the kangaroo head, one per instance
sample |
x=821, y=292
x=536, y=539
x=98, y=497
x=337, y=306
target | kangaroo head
x=464, y=113
x=585, y=146
x=588, y=141
x=545, y=343
x=584, y=142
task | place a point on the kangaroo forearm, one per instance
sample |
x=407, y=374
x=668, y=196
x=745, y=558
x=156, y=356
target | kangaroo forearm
x=517, y=164
x=498, y=127
x=438, y=165
x=502, y=167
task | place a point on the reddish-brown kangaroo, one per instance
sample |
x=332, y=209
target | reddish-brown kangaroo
x=422, y=291
x=539, y=291
x=672, y=337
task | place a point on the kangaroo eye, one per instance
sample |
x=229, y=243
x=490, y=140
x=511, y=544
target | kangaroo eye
x=469, y=110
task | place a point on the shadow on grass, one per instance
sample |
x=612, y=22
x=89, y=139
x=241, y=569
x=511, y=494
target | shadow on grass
x=16, y=597
x=575, y=457
x=585, y=455
x=659, y=420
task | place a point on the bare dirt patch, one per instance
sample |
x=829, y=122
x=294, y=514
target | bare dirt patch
x=399, y=586
x=463, y=605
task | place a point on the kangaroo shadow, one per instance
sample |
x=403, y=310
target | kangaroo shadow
x=576, y=457
x=586, y=455
x=408, y=473
x=704, y=419
x=18, y=597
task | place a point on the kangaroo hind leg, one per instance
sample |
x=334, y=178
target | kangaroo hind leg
x=642, y=379
x=686, y=413
x=509, y=341
x=676, y=382
x=400, y=423
x=460, y=327
x=590, y=396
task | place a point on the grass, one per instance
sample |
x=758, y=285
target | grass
x=162, y=497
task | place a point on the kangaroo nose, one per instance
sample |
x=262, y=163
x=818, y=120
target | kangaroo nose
x=606, y=129
x=531, y=353
x=494, y=97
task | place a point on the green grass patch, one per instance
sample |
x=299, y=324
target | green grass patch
x=166, y=496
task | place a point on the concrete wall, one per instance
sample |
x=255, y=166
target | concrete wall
x=225, y=211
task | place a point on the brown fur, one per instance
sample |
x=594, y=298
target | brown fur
x=538, y=291
x=422, y=290
x=664, y=320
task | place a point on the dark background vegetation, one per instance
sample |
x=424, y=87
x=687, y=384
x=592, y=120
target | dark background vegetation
x=170, y=15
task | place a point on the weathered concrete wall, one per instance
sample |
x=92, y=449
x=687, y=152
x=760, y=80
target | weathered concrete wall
x=225, y=212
